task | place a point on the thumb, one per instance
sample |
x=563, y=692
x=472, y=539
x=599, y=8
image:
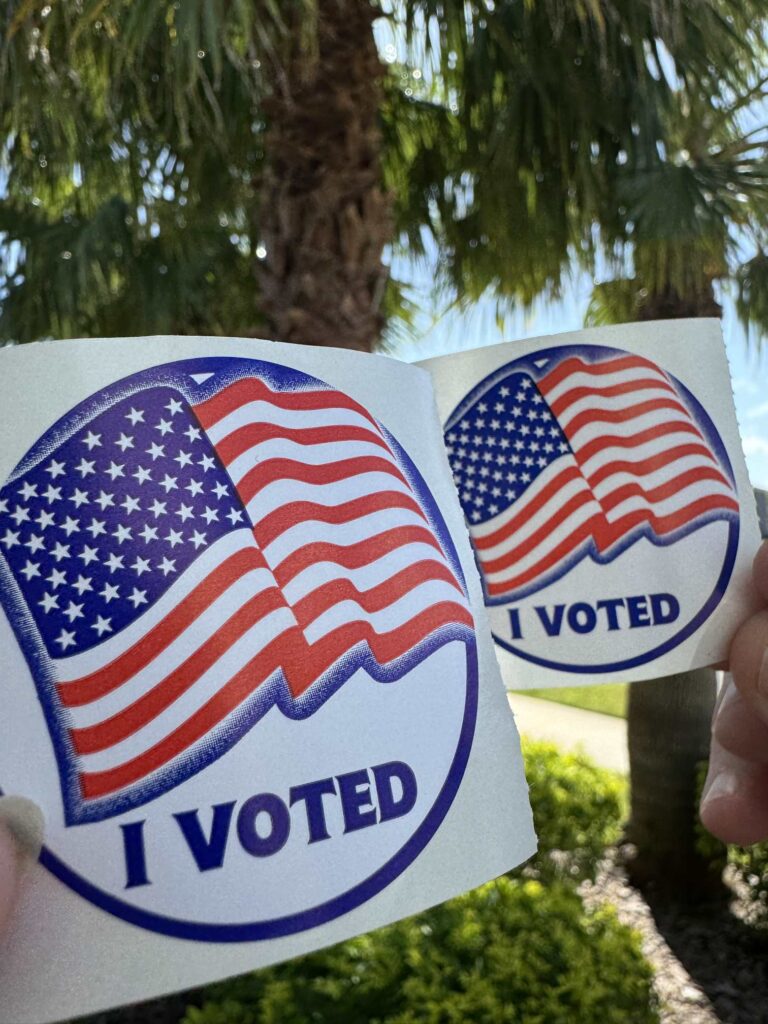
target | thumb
x=21, y=836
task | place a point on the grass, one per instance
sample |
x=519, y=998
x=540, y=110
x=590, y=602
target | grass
x=608, y=699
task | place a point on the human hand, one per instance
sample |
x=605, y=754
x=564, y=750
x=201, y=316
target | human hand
x=734, y=804
x=21, y=834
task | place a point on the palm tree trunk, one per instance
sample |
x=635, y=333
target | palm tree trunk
x=668, y=735
x=324, y=217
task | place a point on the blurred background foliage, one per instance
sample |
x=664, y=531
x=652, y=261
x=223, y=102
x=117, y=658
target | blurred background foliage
x=513, y=138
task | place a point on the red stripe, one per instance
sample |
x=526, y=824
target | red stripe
x=607, y=535
x=631, y=412
x=553, y=556
x=385, y=647
x=353, y=556
x=250, y=389
x=577, y=365
x=575, y=394
x=244, y=438
x=298, y=658
x=538, y=536
x=105, y=734
x=104, y=680
x=664, y=524
x=287, y=516
x=96, y=784
x=528, y=511
x=585, y=452
x=376, y=598
x=267, y=472
x=117, y=728
x=643, y=467
x=663, y=491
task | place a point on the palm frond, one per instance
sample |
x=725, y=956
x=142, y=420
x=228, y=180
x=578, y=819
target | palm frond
x=614, y=302
x=751, y=281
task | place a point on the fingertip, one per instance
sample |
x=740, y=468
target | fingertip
x=24, y=821
x=748, y=663
x=11, y=869
x=737, y=728
x=735, y=819
x=21, y=835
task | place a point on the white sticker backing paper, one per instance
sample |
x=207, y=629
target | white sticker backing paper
x=604, y=486
x=246, y=669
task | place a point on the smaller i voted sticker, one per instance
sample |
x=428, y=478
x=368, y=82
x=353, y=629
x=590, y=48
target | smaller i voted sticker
x=602, y=498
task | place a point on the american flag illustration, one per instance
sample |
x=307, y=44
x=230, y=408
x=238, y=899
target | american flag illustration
x=190, y=554
x=581, y=456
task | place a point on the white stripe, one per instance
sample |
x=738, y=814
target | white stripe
x=647, y=450
x=176, y=653
x=548, y=544
x=394, y=615
x=545, y=478
x=675, y=503
x=283, y=492
x=234, y=659
x=658, y=477
x=313, y=532
x=310, y=455
x=553, y=506
x=629, y=428
x=78, y=665
x=596, y=402
x=365, y=577
x=598, y=381
x=265, y=412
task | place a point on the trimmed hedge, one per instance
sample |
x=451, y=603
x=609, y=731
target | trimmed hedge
x=751, y=865
x=578, y=810
x=520, y=950
x=511, y=952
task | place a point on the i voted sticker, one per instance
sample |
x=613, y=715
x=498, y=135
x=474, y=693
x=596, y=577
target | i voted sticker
x=251, y=657
x=601, y=503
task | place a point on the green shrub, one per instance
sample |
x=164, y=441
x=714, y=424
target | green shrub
x=578, y=810
x=749, y=863
x=511, y=952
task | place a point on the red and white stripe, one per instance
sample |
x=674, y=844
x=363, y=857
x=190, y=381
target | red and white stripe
x=638, y=458
x=339, y=555
x=551, y=520
x=147, y=695
x=640, y=451
x=338, y=522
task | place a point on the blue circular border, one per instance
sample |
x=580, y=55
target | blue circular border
x=592, y=353
x=290, y=924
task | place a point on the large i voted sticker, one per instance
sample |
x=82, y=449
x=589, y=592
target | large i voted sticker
x=251, y=659
x=601, y=503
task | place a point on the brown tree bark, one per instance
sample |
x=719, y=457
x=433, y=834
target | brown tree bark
x=668, y=736
x=324, y=216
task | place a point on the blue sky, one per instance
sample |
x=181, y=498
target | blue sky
x=438, y=335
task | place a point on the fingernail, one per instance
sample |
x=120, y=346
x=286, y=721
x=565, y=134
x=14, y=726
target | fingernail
x=724, y=785
x=24, y=821
x=725, y=696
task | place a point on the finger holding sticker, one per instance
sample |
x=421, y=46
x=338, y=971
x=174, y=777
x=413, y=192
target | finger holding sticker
x=735, y=798
x=21, y=831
